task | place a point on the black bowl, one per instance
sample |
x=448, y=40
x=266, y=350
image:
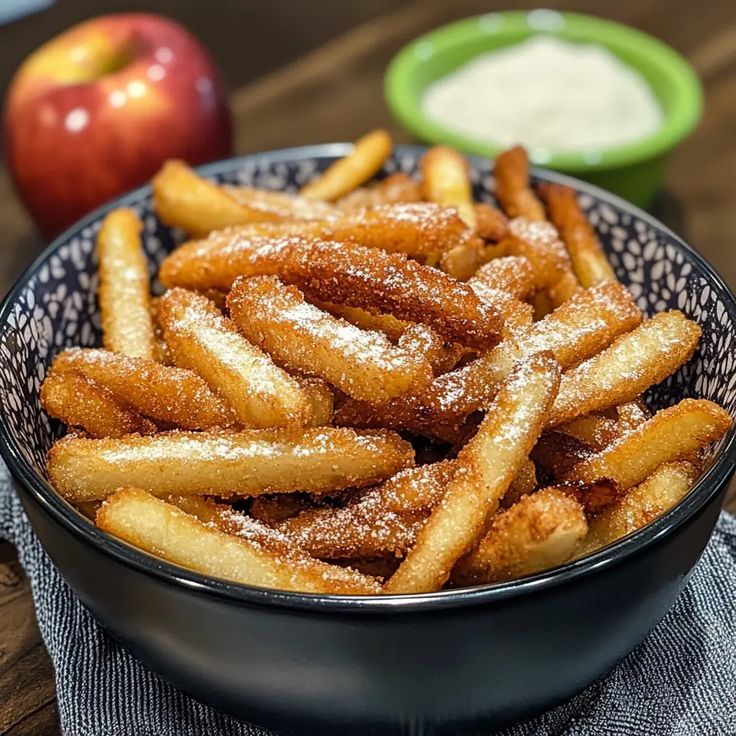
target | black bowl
x=442, y=662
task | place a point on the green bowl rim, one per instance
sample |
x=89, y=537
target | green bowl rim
x=679, y=121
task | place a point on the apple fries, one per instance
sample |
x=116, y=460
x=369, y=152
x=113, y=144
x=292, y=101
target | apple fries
x=164, y=530
x=79, y=402
x=185, y=200
x=664, y=488
x=633, y=363
x=394, y=189
x=297, y=334
x=201, y=339
x=518, y=381
x=511, y=173
x=588, y=259
x=538, y=532
x=369, y=278
x=249, y=462
x=124, y=293
x=676, y=433
x=363, y=162
x=170, y=395
x=576, y=330
x=485, y=468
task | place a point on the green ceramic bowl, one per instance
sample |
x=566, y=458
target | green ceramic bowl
x=634, y=171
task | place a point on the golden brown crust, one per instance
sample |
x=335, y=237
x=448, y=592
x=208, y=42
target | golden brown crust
x=364, y=365
x=201, y=339
x=446, y=180
x=589, y=261
x=368, y=278
x=672, y=434
x=491, y=224
x=485, y=468
x=227, y=463
x=627, y=368
x=124, y=291
x=342, y=177
x=511, y=173
x=512, y=274
x=538, y=532
x=171, y=395
x=80, y=402
x=257, y=557
x=574, y=331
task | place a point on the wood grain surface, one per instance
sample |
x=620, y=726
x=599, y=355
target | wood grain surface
x=335, y=93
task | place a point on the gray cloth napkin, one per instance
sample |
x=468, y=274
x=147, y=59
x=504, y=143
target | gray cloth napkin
x=680, y=681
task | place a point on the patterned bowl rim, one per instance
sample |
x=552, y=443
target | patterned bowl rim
x=709, y=484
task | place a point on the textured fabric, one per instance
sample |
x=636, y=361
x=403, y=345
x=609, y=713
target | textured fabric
x=681, y=681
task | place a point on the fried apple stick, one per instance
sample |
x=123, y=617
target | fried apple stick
x=250, y=462
x=301, y=336
x=368, y=278
x=362, y=163
x=511, y=172
x=201, y=339
x=166, y=531
x=486, y=467
x=537, y=533
x=125, y=285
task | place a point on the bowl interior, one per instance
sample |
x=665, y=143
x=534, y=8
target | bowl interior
x=444, y=50
x=53, y=306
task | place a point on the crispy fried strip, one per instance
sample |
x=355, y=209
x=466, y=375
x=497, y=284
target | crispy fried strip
x=537, y=533
x=589, y=261
x=633, y=363
x=262, y=204
x=363, y=162
x=491, y=223
x=486, y=467
x=423, y=341
x=394, y=189
x=201, y=339
x=301, y=336
x=512, y=274
x=573, y=332
x=125, y=285
x=383, y=520
x=171, y=395
x=658, y=493
x=185, y=200
x=539, y=243
x=416, y=228
x=251, y=462
x=363, y=529
x=446, y=180
x=511, y=172
x=79, y=402
x=516, y=314
x=166, y=531
x=671, y=434
x=368, y=278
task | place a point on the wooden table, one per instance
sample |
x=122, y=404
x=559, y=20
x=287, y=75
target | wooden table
x=335, y=93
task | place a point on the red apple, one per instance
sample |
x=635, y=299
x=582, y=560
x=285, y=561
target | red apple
x=95, y=112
